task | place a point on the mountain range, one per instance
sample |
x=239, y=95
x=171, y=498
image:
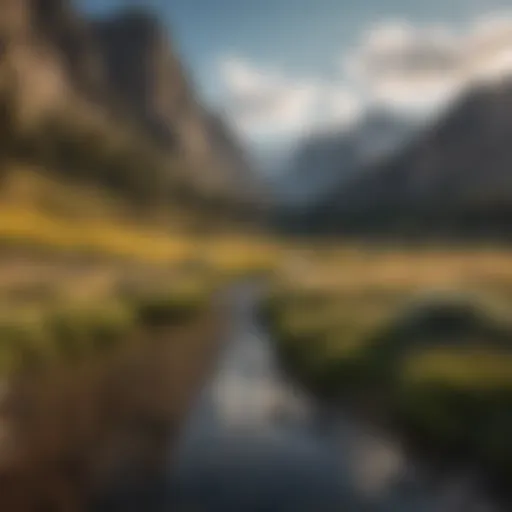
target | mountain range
x=325, y=160
x=451, y=178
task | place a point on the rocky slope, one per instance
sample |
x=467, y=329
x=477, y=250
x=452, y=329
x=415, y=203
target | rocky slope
x=147, y=76
x=326, y=160
x=117, y=76
x=454, y=179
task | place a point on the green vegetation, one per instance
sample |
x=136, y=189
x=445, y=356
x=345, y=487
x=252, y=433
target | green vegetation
x=70, y=333
x=114, y=154
x=175, y=307
x=460, y=401
x=79, y=331
x=60, y=310
x=436, y=364
x=93, y=150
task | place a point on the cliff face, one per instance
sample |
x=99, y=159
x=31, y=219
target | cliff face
x=325, y=161
x=456, y=177
x=145, y=74
x=118, y=69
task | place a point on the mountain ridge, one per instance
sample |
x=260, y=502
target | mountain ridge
x=451, y=178
x=117, y=81
x=456, y=177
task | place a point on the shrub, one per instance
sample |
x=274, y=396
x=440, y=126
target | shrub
x=82, y=331
x=169, y=308
x=69, y=332
x=23, y=344
x=109, y=325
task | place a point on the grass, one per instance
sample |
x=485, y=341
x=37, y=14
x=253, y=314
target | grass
x=41, y=213
x=230, y=256
x=134, y=273
x=80, y=331
x=179, y=305
x=81, y=425
x=421, y=337
x=71, y=332
x=479, y=369
x=23, y=227
x=460, y=402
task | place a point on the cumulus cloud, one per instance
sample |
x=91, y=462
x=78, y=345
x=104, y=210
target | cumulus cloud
x=422, y=68
x=263, y=101
x=415, y=69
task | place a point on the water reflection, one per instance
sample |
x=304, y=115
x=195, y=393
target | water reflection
x=256, y=443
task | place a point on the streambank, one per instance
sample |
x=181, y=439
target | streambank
x=255, y=441
x=73, y=432
x=440, y=425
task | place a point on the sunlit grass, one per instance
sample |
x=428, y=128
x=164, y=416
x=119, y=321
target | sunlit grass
x=410, y=270
x=232, y=257
x=421, y=335
x=463, y=368
x=21, y=226
x=39, y=212
x=67, y=332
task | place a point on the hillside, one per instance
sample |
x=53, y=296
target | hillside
x=109, y=103
x=454, y=180
x=326, y=159
x=325, y=162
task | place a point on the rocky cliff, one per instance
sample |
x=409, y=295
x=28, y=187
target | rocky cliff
x=117, y=75
x=324, y=161
x=455, y=178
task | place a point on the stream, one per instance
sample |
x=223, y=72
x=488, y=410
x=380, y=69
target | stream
x=254, y=442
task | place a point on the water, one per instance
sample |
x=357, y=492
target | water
x=254, y=443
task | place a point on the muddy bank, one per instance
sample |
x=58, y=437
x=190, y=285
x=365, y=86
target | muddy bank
x=70, y=434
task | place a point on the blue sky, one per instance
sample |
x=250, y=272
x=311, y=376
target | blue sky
x=263, y=61
x=301, y=36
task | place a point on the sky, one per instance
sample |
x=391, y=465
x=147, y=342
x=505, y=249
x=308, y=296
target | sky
x=281, y=69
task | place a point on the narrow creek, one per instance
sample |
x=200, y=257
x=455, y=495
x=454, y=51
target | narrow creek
x=256, y=443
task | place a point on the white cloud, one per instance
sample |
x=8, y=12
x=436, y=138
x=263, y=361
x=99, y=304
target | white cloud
x=416, y=69
x=265, y=102
x=422, y=68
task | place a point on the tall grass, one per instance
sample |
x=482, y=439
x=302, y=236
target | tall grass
x=421, y=337
x=39, y=212
x=71, y=332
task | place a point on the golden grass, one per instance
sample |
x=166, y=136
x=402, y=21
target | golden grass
x=354, y=323
x=401, y=271
x=38, y=211
x=463, y=368
x=22, y=226
x=81, y=427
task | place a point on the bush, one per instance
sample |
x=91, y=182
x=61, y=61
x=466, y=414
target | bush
x=471, y=423
x=24, y=344
x=82, y=331
x=442, y=368
x=109, y=325
x=69, y=332
x=442, y=319
x=170, y=308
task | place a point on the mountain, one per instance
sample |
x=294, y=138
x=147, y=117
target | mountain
x=320, y=162
x=113, y=92
x=146, y=75
x=326, y=160
x=456, y=178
